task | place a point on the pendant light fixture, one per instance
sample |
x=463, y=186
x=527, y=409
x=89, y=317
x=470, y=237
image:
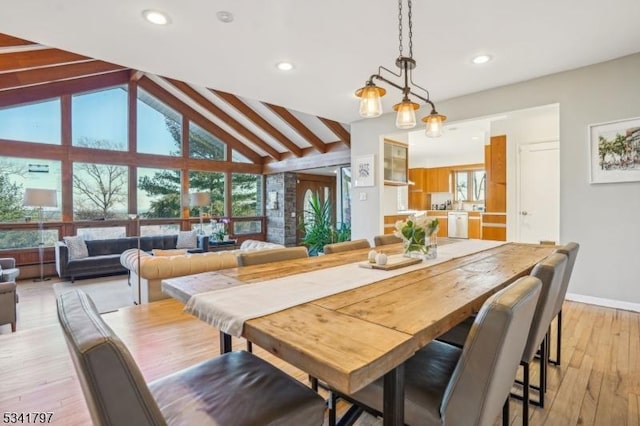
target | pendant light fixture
x=370, y=94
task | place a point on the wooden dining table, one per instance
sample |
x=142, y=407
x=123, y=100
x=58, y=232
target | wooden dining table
x=352, y=338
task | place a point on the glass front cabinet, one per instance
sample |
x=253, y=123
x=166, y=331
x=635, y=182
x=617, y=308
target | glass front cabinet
x=395, y=162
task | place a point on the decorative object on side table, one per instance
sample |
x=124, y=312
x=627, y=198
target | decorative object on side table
x=419, y=235
x=220, y=231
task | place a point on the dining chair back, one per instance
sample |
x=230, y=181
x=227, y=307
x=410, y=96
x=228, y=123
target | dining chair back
x=571, y=251
x=271, y=255
x=346, y=246
x=445, y=384
x=219, y=391
x=383, y=240
x=487, y=367
x=550, y=271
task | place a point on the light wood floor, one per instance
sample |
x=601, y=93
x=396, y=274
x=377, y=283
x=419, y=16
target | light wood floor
x=598, y=383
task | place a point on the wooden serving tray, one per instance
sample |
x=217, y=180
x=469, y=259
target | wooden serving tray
x=391, y=264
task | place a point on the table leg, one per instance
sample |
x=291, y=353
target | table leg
x=225, y=342
x=393, y=404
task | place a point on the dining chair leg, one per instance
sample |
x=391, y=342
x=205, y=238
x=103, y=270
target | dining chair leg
x=556, y=361
x=505, y=413
x=543, y=371
x=249, y=346
x=525, y=395
x=331, y=403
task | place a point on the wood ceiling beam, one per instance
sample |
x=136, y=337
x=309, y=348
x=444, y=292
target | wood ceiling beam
x=11, y=41
x=49, y=74
x=253, y=116
x=218, y=112
x=298, y=126
x=337, y=154
x=156, y=90
x=136, y=75
x=59, y=88
x=38, y=58
x=338, y=130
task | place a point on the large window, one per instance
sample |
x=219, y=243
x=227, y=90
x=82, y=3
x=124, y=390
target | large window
x=158, y=193
x=100, y=119
x=470, y=185
x=247, y=194
x=203, y=144
x=100, y=191
x=213, y=183
x=159, y=127
x=37, y=122
x=17, y=174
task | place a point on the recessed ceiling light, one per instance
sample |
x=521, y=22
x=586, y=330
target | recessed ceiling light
x=156, y=17
x=475, y=138
x=224, y=16
x=481, y=59
x=284, y=66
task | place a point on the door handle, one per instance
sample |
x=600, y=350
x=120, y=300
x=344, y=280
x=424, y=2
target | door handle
x=524, y=213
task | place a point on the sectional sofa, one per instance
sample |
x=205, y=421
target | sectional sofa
x=104, y=255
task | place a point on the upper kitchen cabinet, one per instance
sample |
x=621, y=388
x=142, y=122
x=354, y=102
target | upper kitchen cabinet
x=395, y=162
x=438, y=179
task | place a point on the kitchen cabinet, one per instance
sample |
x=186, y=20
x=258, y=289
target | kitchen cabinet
x=438, y=179
x=395, y=162
x=417, y=194
x=474, y=225
x=495, y=166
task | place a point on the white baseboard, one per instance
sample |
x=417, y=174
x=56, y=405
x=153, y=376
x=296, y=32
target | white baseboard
x=609, y=303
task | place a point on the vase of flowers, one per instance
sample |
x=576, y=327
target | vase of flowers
x=419, y=235
x=220, y=232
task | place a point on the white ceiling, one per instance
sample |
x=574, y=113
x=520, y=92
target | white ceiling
x=335, y=44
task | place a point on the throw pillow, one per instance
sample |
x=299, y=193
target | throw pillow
x=77, y=247
x=187, y=240
x=176, y=252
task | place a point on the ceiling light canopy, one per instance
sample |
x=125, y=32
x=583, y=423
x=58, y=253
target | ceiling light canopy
x=370, y=94
x=156, y=17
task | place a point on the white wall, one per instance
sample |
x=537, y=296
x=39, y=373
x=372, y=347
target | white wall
x=604, y=218
x=540, y=124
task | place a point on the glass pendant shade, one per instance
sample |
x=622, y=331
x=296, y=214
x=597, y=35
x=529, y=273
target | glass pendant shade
x=434, y=124
x=370, y=101
x=406, y=114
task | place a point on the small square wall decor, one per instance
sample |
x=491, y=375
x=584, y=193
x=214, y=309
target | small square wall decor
x=364, y=173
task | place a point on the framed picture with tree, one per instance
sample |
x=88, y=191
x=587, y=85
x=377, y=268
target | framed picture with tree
x=615, y=151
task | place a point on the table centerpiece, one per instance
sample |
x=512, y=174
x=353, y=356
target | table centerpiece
x=419, y=236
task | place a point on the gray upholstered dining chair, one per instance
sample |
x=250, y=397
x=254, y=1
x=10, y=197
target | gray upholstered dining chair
x=346, y=246
x=571, y=251
x=550, y=271
x=383, y=240
x=445, y=384
x=235, y=388
x=8, y=300
x=260, y=257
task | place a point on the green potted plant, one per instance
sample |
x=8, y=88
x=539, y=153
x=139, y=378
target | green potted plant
x=318, y=227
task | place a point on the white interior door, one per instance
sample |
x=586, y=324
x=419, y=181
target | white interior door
x=539, y=192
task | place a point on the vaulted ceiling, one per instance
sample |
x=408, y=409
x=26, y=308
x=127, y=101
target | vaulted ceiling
x=335, y=45
x=265, y=133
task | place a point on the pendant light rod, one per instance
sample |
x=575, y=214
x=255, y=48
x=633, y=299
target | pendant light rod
x=370, y=94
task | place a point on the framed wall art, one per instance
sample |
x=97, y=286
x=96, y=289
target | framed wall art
x=365, y=168
x=615, y=151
